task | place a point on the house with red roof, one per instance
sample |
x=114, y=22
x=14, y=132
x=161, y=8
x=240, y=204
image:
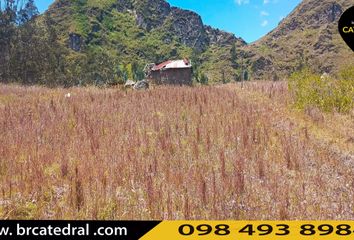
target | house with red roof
x=173, y=72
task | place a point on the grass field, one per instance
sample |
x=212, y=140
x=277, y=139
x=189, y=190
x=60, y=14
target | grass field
x=218, y=152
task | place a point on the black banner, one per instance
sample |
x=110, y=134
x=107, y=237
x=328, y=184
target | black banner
x=75, y=229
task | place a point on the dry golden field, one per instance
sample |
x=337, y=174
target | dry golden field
x=218, y=152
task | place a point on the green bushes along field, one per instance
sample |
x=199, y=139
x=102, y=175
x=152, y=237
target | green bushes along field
x=325, y=92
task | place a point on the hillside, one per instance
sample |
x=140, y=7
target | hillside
x=307, y=37
x=128, y=34
x=140, y=32
x=90, y=42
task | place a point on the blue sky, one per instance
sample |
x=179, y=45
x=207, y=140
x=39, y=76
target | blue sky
x=249, y=19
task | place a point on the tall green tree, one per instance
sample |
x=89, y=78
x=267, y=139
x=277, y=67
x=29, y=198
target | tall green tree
x=54, y=55
x=31, y=52
x=233, y=53
x=24, y=60
x=8, y=16
x=27, y=13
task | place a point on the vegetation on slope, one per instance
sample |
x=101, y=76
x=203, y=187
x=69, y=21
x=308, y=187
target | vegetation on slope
x=308, y=37
x=117, y=34
x=97, y=43
x=86, y=42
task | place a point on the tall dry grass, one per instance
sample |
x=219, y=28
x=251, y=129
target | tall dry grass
x=166, y=153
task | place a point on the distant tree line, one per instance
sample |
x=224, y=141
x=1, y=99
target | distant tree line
x=30, y=52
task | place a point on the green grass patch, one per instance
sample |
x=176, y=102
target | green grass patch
x=325, y=92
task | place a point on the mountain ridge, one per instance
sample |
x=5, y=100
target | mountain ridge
x=152, y=31
x=309, y=37
x=144, y=31
x=155, y=13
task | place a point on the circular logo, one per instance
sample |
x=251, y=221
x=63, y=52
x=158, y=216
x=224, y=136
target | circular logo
x=346, y=27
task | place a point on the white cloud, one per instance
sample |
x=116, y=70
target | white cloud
x=264, y=13
x=270, y=1
x=264, y=23
x=241, y=2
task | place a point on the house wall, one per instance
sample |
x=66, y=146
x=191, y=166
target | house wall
x=177, y=76
x=155, y=77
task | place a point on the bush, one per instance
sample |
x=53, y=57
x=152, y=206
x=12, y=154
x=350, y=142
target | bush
x=204, y=79
x=326, y=93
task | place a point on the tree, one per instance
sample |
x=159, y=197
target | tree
x=52, y=54
x=245, y=75
x=122, y=74
x=138, y=73
x=26, y=14
x=223, y=78
x=204, y=79
x=25, y=57
x=8, y=13
x=233, y=56
x=19, y=41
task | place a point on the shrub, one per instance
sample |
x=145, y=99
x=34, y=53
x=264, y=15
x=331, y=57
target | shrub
x=204, y=79
x=328, y=94
x=347, y=74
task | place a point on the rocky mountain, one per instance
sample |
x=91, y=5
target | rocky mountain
x=142, y=31
x=307, y=37
x=136, y=32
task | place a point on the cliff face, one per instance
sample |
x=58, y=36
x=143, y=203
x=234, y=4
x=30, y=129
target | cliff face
x=189, y=28
x=222, y=38
x=150, y=15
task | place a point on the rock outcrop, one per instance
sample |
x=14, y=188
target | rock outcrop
x=189, y=28
x=75, y=42
x=142, y=85
x=151, y=14
x=222, y=38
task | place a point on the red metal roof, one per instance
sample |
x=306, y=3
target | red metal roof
x=161, y=65
x=172, y=64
